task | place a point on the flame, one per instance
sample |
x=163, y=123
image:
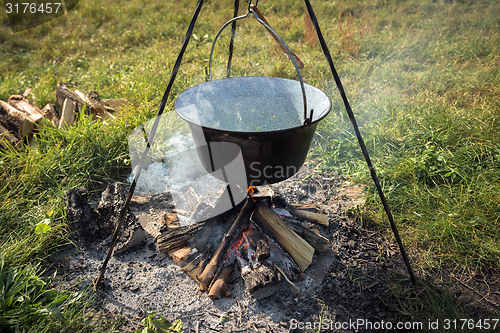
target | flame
x=252, y=190
x=242, y=244
x=246, y=238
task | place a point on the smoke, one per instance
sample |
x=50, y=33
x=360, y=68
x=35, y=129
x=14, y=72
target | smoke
x=219, y=179
x=175, y=168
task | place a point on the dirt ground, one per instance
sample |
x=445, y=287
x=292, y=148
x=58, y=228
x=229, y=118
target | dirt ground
x=343, y=285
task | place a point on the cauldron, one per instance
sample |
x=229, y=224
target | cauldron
x=258, y=119
x=254, y=129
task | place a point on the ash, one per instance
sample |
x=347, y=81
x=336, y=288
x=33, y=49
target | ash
x=346, y=282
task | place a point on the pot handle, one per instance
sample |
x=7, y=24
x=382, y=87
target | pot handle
x=252, y=9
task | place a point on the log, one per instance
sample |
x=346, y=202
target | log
x=68, y=114
x=309, y=216
x=93, y=103
x=301, y=251
x=177, y=237
x=51, y=113
x=171, y=220
x=180, y=255
x=318, y=242
x=10, y=125
x=100, y=107
x=194, y=273
x=24, y=123
x=212, y=233
x=21, y=103
x=7, y=139
x=263, y=199
x=219, y=287
x=115, y=104
x=208, y=273
x=310, y=206
x=193, y=262
x=63, y=93
x=262, y=281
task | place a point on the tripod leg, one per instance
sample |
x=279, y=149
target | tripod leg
x=373, y=174
x=150, y=140
x=233, y=33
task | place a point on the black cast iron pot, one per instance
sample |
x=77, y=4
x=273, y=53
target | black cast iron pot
x=252, y=128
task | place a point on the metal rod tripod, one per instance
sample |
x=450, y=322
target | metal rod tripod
x=161, y=108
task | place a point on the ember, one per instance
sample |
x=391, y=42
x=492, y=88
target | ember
x=257, y=245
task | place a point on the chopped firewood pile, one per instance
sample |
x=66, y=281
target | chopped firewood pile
x=257, y=241
x=20, y=120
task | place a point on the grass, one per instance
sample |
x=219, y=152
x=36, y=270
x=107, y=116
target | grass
x=428, y=108
x=27, y=302
x=423, y=78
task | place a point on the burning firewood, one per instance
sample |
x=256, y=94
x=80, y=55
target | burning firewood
x=177, y=237
x=219, y=287
x=208, y=273
x=196, y=266
x=262, y=281
x=301, y=251
x=208, y=239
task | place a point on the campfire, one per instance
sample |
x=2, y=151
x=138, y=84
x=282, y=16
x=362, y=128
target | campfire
x=257, y=241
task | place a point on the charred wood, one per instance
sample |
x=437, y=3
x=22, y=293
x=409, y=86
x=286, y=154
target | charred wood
x=208, y=273
x=318, y=242
x=177, y=237
x=301, y=251
x=212, y=233
x=199, y=267
x=262, y=251
x=309, y=216
x=219, y=287
x=262, y=281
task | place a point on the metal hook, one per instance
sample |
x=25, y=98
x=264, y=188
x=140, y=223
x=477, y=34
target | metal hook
x=253, y=10
x=250, y=5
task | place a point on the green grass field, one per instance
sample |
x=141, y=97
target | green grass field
x=423, y=78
